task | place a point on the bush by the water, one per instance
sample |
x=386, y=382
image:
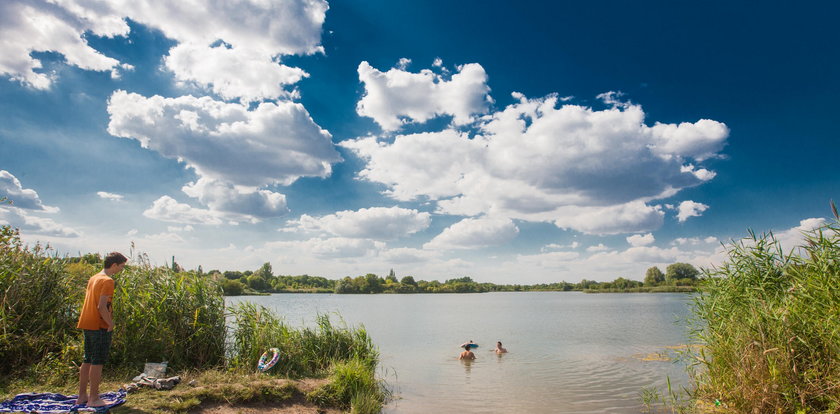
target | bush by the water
x=771, y=326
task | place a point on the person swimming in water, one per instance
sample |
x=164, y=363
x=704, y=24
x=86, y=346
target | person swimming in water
x=467, y=354
x=499, y=348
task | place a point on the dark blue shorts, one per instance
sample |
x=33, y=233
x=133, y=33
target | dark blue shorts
x=97, y=346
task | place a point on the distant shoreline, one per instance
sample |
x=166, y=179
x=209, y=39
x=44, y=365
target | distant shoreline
x=656, y=289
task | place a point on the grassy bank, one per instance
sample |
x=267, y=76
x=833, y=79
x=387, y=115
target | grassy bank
x=770, y=323
x=179, y=317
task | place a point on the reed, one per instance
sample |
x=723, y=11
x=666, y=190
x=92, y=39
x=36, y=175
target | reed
x=770, y=323
x=352, y=386
x=37, y=306
x=304, y=351
x=162, y=315
x=347, y=355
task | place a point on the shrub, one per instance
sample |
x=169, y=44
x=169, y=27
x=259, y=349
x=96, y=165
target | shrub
x=770, y=322
x=352, y=385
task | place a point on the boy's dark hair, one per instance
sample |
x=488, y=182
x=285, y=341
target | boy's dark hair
x=114, y=258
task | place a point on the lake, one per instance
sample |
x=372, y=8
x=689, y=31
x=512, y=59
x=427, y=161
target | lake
x=569, y=352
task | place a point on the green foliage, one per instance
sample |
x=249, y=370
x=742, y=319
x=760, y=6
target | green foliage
x=352, y=386
x=304, y=352
x=408, y=280
x=38, y=308
x=680, y=271
x=266, y=271
x=257, y=283
x=232, y=287
x=465, y=279
x=654, y=276
x=232, y=275
x=161, y=315
x=303, y=283
x=770, y=322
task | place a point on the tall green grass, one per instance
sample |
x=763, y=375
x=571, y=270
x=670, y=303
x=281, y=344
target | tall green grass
x=770, y=323
x=304, y=351
x=37, y=304
x=353, y=386
x=162, y=315
x=346, y=355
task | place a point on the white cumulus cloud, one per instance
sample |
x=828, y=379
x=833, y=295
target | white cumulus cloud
x=256, y=33
x=700, y=140
x=29, y=223
x=397, y=96
x=796, y=236
x=594, y=171
x=638, y=240
x=549, y=260
x=690, y=208
x=380, y=223
x=168, y=209
x=475, y=233
x=402, y=255
x=232, y=72
x=24, y=198
x=109, y=196
x=600, y=247
x=339, y=247
x=222, y=196
x=274, y=143
x=31, y=26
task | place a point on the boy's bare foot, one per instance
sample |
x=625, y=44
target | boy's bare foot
x=97, y=403
x=81, y=400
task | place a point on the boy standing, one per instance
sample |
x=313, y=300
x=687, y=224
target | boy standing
x=96, y=319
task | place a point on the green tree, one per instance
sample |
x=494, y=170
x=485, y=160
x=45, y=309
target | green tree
x=265, y=271
x=374, y=283
x=258, y=283
x=680, y=271
x=408, y=280
x=588, y=284
x=345, y=286
x=232, y=274
x=465, y=279
x=654, y=276
x=622, y=283
x=232, y=287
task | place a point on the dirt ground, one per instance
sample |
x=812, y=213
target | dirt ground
x=288, y=409
x=301, y=407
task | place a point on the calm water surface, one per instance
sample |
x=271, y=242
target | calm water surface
x=570, y=352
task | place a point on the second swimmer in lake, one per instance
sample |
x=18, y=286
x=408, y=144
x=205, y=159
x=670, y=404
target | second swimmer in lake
x=467, y=354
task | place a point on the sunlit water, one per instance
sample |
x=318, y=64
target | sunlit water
x=569, y=352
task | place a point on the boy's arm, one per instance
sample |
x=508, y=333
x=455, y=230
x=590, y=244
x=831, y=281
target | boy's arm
x=104, y=308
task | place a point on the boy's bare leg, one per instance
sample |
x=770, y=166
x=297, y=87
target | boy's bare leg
x=84, y=377
x=95, y=379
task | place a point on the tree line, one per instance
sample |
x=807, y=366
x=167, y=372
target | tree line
x=678, y=277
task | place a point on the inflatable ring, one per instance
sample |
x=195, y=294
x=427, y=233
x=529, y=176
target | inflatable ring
x=268, y=359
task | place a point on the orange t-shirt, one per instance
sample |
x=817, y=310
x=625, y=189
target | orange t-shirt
x=98, y=285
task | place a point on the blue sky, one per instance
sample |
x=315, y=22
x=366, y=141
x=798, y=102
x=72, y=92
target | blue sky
x=514, y=143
